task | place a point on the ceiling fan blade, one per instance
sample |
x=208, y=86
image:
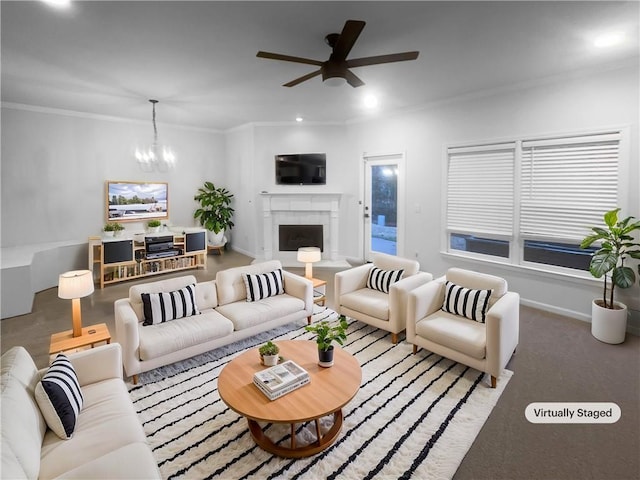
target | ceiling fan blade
x=348, y=37
x=352, y=79
x=288, y=58
x=306, y=77
x=378, y=59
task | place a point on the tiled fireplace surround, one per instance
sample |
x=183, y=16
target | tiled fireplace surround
x=301, y=209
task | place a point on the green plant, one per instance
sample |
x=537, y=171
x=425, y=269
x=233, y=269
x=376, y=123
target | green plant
x=269, y=348
x=153, y=223
x=328, y=333
x=215, y=212
x=113, y=227
x=617, y=244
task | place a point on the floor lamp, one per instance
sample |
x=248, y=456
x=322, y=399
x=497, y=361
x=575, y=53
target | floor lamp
x=308, y=256
x=73, y=286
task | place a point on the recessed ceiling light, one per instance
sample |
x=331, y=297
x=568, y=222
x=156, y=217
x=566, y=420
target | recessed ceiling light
x=299, y=119
x=609, y=39
x=58, y=3
x=370, y=101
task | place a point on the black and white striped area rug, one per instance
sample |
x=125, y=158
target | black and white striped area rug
x=414, y=416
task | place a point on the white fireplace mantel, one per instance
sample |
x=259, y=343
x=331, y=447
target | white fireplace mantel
x=302, y=209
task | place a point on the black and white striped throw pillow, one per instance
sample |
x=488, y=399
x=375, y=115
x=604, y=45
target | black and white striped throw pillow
x=263, y=285
x=382, y=280
x=165, y=306
x=472, y=304
x=59, y=397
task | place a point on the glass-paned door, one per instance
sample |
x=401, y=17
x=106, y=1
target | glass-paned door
x=382, y=210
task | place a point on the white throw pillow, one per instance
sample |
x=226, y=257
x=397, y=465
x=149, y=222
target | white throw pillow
x=165, y=306
x=59, y=397
x=466, y=302
x=382, y=280
x=263, y=285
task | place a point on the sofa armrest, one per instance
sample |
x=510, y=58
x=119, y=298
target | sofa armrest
x=127, y=334
x=351, y=280
x=299, y=287
x=422, y=302
x=503, y=330
x=97, y=364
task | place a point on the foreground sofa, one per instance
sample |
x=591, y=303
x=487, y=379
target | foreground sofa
x=108, y=441
x=225, y=316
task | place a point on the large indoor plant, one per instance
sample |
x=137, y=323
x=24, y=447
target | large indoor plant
x=215, y=211
x=326, y=334
x=617, y=244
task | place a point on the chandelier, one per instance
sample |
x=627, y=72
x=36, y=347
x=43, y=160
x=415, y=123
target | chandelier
x=156, y=157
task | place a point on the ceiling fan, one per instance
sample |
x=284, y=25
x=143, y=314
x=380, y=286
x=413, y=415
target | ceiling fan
x=337, y=66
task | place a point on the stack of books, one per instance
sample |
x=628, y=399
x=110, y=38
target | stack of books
x=277, y=381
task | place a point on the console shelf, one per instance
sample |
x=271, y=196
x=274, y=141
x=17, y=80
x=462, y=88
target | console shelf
x=122, y=259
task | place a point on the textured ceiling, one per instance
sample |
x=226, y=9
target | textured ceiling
x=199, y=58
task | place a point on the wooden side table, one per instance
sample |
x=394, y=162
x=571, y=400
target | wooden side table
x=64, y=341
x=319, y=296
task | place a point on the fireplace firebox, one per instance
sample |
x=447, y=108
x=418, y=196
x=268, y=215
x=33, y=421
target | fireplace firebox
x=292, y=237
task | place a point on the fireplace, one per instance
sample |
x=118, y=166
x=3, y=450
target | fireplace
x=292, y=237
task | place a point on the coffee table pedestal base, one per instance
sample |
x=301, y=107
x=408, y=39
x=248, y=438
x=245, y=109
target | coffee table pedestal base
x=294, y=451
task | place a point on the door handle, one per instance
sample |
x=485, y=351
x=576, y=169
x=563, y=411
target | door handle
x=366, y=215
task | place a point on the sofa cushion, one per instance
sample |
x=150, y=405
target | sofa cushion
x=370, y=302
x=158, y=340
x=263, y=285
x=247, y=314
x=168, y=285
x=23, y=426
x=107, y=422
x=455, y=332
x=59, y=397
x=382, y=280
x=165, y=306
x=230, y=284
x=466, y=302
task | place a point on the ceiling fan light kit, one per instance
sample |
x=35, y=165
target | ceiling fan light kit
x=335, y=70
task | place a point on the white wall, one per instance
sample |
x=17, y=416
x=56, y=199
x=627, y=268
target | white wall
x=54, y=168
x=575, y=104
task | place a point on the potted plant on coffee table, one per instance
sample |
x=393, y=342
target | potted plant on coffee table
x=269, y=353
x=609, y=317
x=215, y=212
x=326, y=334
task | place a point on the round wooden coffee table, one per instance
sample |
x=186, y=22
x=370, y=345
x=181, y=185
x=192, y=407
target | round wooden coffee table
x=330, y=389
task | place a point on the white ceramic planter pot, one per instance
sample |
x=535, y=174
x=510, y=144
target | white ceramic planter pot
x=215, y=238
x=607, y=325
x=270, y=360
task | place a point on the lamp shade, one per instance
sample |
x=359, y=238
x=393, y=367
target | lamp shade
x=309, y=254
x=75, y=284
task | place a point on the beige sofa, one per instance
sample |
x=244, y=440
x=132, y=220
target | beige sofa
x=225, y=316
x=108, y=441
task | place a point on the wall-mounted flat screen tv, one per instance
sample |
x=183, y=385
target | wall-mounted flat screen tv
x=301, y=169
x=129, y=201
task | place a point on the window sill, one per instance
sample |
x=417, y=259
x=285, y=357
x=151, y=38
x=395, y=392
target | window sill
x=541, y=272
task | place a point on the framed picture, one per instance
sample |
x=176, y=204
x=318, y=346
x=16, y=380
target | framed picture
x=129, y=201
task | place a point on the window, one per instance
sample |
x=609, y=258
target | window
x=531, y=201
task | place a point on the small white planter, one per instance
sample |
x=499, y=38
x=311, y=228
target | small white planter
x=270, y=360
x=215, y=238
x=607, y=325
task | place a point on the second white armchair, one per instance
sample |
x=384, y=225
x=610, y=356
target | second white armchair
x=372, y=293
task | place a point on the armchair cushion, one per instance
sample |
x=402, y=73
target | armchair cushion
x=164, y=306
x=466, y=302
x=263, y=285
x=454, y=332
x=59, y=397
x=382, y=280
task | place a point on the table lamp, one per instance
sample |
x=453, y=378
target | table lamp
x=309, y=255
x=73, y=286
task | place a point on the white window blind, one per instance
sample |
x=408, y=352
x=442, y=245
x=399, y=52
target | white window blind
x=567, y=184
x=480, y=190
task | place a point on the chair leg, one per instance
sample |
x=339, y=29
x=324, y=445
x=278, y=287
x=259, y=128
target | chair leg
x=494, y=380
x=415, y=349
x=135, y=379
x=309, y=320
x=394, y=338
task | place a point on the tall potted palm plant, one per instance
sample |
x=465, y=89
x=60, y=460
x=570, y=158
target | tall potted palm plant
x=617, y=244
x=215, y=212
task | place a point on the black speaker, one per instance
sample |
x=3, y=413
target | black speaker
x=195, y=241
x=118, y=251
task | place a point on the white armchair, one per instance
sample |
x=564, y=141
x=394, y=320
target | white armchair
x=484, y=346
x=386, y=311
